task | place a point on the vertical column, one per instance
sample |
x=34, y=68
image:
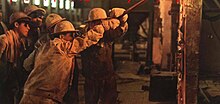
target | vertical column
x=5, y=10
x=166, y=32
x=174, y=32
x=70, y=11
x=49, y=9
x=31, y=2
x=64, y=7
x=57, y=6
x=157, y=38
x=19, y=5
x=41, y=3
x=149, y=61
x=193, y=9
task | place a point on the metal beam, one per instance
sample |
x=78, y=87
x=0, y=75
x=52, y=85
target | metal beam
x=193, y=10
x=149, y=50
x=174, y=31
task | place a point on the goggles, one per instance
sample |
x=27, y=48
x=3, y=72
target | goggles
x=26, y=23
x=37, y=14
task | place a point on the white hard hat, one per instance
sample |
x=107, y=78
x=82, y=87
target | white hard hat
x=18, y=16
x=63, y=27
x=96, y=14
x=52, y=19
x=32, y=8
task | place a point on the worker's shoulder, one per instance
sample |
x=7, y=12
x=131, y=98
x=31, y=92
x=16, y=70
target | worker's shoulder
x=3, y=40
x=3, y=37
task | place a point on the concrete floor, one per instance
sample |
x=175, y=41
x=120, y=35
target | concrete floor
x=129, y=85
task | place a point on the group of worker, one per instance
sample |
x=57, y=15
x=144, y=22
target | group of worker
x=39, y=68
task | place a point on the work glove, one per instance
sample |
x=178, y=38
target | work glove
x=110, y=24
x=116, y=12
x=96, y=32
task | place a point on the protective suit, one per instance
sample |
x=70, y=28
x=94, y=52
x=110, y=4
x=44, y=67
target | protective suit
x=11, y=48
x=9, y=69
x=52, y=71
x=100, y=82
x=36, y=15
x=51, y=21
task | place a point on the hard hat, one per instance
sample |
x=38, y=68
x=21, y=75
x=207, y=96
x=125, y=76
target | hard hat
x=96, y=14
x=116, y=12
x=63, y=27
x=52, y=19
x=18, y=16
x=32, y=8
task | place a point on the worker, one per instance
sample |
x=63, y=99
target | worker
x=52, y=72
x=11, y=48
x=51, y=21
x=3, y=27
x=97, y=65
x=37, y=14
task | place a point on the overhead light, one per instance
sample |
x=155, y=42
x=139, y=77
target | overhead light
x=14, y=0
x=72, y=5
x=67, y=6
x=46, y=2
x=26, y=1
x=61, y=4
x=37, y=2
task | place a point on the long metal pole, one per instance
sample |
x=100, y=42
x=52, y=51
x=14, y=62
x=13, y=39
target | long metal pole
x=149, y=61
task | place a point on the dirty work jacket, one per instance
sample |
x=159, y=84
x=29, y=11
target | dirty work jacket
x=43, y=39
x=97, y=60
x=10, y=51
x=52, y=66
x=33, y=36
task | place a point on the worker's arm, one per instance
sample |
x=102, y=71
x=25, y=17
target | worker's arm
x=3, y=64
x=29, y=61
x=116, y=27
x=88, y=39
x=117, y=14
x=3, y=44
